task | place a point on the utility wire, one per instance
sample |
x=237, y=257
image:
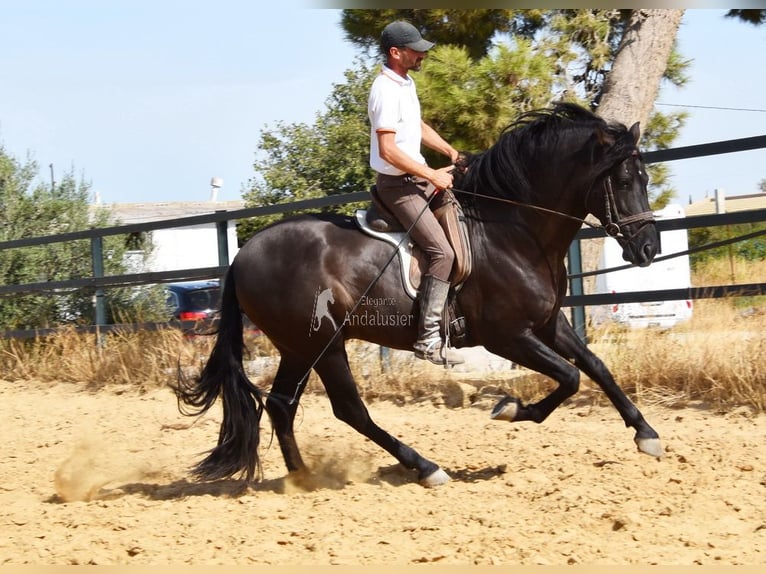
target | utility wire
x=713, y=107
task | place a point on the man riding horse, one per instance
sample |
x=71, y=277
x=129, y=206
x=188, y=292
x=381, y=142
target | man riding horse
x=403, y=176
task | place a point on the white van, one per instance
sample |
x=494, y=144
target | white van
x=672, y=273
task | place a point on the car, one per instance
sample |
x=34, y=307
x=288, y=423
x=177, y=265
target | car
x=195, y=304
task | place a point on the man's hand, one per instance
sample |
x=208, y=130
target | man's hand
x=442, y=178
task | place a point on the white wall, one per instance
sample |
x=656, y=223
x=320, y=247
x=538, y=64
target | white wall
x=187, y=247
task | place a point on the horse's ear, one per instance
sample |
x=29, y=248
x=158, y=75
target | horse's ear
x=635, y=131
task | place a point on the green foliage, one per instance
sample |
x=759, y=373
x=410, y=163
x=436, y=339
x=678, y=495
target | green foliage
x=750, y=250
x=751, y=16
x=488, y=67
x=29, y=209
x=470, y=103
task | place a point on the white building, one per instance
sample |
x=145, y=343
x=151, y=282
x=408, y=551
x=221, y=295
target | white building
x=176, y=248
x=721, y=203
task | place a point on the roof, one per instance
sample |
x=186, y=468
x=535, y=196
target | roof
x=192, y=285
x=734, y=203
x=126, y=213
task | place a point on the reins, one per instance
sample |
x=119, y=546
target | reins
x=527, y=205
x=611, y=228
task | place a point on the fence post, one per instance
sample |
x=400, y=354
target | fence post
x=222, y=231
x=576, y=288
x=97, y=262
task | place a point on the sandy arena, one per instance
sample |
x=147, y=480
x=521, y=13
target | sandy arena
x=102, y=478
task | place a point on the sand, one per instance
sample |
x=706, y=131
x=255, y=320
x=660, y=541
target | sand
x=102, y=478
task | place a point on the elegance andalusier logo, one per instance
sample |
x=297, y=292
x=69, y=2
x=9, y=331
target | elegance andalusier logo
x=369, y=312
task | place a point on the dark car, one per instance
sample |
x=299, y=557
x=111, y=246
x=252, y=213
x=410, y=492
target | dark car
x=195, y=301
x=197, y=304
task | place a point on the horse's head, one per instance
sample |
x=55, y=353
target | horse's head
x=620, y=199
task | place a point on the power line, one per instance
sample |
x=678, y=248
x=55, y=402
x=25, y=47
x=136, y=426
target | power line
x=713, y=107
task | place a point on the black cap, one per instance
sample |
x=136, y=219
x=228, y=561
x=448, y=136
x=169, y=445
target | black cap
x=401, y=33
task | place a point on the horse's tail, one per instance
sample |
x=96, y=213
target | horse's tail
x=224, y=376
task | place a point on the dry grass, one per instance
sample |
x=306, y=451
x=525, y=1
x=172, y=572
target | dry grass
x=140, y=359
x=728, y=271
x=716, y=359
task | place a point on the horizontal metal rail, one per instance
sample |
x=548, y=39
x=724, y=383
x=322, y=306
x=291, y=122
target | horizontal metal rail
x=684, y=294
x=135, y=279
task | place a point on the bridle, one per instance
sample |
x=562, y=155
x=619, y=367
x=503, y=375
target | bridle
x=614, y=228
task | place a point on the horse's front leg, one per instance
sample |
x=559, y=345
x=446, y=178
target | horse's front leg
x=528, y=350
x=549, y=352
x=566, y=342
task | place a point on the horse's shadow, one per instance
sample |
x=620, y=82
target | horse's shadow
x=177, y=489
x=394, y=475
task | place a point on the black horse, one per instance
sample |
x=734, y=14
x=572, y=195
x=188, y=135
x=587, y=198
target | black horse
x=307, y=281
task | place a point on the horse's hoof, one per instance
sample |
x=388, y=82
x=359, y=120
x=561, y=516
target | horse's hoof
x=505, y=410
x=651, y=446
x=436, y=478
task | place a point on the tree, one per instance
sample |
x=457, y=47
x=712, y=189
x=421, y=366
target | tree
x=472, y=29
x=640, y=63
x=754, y=16
x=29, y=209
x=471, y=89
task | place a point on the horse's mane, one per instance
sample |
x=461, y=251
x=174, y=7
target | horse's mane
x=507, y=168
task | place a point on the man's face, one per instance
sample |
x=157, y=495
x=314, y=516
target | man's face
x=410, y=59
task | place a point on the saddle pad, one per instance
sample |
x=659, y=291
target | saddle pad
x=400, y=241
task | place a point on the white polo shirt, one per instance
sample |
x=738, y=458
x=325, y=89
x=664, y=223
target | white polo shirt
x=393, y=105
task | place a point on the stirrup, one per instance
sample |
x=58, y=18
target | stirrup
x=437, y=353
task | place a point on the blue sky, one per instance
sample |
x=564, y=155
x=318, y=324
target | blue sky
x=150, y=100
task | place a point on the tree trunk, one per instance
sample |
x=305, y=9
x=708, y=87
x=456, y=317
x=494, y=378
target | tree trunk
x=632, y=84
x=634, y=80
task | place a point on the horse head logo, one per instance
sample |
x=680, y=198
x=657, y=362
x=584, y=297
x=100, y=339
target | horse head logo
x=322, y=303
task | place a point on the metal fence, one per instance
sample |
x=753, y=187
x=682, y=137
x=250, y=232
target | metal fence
x=576, y=300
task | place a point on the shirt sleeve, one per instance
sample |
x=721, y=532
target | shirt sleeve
x=383, y=106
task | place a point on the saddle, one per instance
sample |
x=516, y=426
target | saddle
x=378, y=221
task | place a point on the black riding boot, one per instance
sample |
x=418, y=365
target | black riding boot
x=430, y=344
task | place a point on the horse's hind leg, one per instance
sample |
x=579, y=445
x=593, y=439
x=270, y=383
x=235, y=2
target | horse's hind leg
x=348, y=406
x=282, y=404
